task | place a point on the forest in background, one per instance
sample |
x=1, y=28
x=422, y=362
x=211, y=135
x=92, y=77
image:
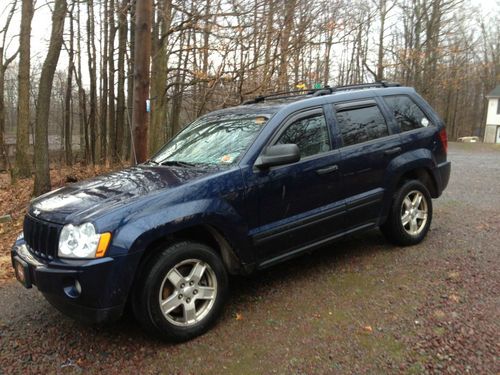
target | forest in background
x=76, y=100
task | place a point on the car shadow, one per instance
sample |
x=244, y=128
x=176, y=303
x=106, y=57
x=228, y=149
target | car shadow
x=245, y=293
x=311, y=264
x=348, y=251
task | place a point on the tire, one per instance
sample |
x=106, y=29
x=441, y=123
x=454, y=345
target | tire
x=410, y=215
x=190, y=281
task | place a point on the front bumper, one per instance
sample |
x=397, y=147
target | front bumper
x=92, y=291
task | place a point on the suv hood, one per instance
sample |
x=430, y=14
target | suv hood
x=74, y=202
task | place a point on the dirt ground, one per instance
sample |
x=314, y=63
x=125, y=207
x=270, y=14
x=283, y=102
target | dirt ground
x=361, y=306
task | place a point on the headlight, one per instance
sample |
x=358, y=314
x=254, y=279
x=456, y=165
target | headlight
x=82, y=241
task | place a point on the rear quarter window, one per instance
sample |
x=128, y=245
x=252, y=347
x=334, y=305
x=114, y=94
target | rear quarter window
x=406, y=112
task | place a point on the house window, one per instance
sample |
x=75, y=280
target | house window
x=498, y=106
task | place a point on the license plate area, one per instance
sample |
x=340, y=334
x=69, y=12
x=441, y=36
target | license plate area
x=22, y=272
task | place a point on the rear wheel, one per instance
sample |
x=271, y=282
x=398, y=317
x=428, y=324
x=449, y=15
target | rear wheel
x=410, y=214
x=181, y=292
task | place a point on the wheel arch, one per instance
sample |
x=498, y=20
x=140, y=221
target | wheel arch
x=422, y=174
x=203, y=233
x=417, y=165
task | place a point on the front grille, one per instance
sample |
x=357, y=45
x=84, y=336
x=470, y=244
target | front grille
x=41, y=237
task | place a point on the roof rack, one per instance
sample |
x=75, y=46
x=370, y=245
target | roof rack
x=279, y=95
x=367, y=85
x=326, y=90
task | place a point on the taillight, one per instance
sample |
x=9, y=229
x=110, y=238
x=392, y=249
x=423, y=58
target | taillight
x=444, y=139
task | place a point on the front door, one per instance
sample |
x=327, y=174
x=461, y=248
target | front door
x=498, y=134
x=299, y=203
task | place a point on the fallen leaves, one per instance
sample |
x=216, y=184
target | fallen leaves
x=368, y=329
x=453, y=276
x=439, y=314
x=238, y=316
x=15, y=198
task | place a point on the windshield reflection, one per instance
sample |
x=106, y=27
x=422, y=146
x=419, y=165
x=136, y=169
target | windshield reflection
x=213, y=141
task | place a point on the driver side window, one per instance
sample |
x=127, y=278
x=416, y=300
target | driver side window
x=309, y=133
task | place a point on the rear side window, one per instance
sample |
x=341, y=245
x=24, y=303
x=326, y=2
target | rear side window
x=309, y=133
x=359, y=125
x=408, y=115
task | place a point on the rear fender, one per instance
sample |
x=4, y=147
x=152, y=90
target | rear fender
x=401, y=165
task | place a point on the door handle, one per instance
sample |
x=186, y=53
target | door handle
x=329, y=169
x=392, y=151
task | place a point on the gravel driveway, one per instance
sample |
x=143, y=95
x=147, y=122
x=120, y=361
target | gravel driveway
x=360, y=306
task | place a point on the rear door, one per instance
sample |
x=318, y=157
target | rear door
x=368, y=146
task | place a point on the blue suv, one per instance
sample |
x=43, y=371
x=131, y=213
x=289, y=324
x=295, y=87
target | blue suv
x=238, y=190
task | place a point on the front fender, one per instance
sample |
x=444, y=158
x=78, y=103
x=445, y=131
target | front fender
x=144, y=229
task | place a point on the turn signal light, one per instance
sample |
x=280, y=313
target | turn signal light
x=103, y=245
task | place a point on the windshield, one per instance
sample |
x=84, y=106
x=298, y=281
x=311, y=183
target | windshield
x=209, y=140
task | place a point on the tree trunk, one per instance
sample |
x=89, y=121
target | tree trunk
x=268, y=59
x=91, y=50
x=144, y=10
x=103, y=120
x=82, y=98
x=42, y=171
x=111, y=89
x=120, y=99
x=23, y=161
x=380, y=61
x=128, y=148
x=285, y=40
x=68, y=134
x=3, y=151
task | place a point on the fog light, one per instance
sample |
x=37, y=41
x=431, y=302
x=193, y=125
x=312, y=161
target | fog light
x=74, y=290
x=78, y=287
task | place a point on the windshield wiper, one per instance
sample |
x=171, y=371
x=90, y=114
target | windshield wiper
x=177, y=163
x=151, y=161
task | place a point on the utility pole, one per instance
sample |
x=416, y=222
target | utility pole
x=144, y=14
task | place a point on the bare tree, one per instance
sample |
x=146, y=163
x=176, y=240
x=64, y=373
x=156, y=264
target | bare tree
x=42, y=171
x=144, y=11
x=121, y=118
x=68, y=98
x=91, y=57
x=207, y=54
x=4, y=64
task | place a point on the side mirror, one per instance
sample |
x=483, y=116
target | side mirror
x=278, y=155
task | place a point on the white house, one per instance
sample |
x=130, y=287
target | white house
x=492, y=131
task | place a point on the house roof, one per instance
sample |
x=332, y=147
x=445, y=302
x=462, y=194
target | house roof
x=495, y=93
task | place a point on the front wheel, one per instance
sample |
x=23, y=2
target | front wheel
x=410, y=215
x=182, y=291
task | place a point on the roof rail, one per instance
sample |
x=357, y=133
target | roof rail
x=366, y=85
x=326, y=90
x=279, y=95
